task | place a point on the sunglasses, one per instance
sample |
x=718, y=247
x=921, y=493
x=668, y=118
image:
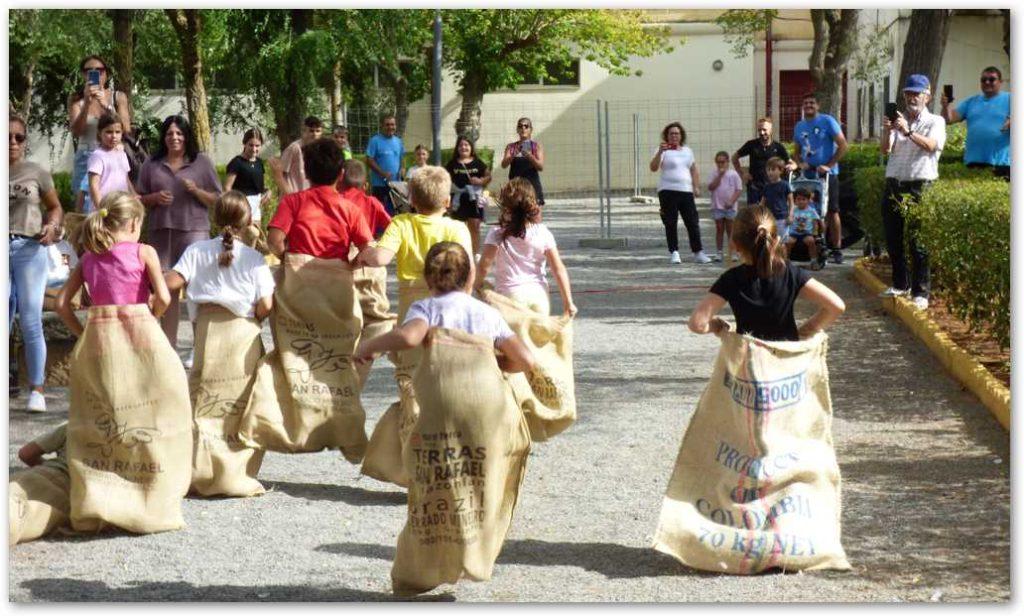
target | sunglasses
x=522, y=126
x=18, y=137
x=989, y=79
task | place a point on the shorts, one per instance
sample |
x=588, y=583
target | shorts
x=798, y=237
x=833, y=194
x=781, y=228
x=468, y=209
x=718, y=214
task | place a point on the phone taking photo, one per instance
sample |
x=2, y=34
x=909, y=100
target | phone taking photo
x=948, y=91
x=890, y=111
x=94, y=77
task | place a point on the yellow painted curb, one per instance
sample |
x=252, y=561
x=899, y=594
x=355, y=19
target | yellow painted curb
x=969, y=371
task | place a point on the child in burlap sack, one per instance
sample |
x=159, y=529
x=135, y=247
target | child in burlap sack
x=519, y=247
x=233, y=289
x=129, y=422
x=39, y=498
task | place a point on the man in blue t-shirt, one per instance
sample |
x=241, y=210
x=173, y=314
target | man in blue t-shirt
x=820, y=144
x=384, y=156
x=988, y=124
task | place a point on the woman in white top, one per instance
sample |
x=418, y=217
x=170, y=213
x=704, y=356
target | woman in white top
x=84, y=110
x=677, y=187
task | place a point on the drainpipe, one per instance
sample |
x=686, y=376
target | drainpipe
x=768, y=69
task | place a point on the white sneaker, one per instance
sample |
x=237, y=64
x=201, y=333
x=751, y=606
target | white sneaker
x=700, y=257
x=894, y=292
x=674, y=257
x=718, y=258
x=921, y=302
x=36, y=402
x=187, y=362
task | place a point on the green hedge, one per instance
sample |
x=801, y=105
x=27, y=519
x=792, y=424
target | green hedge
x=965, y=225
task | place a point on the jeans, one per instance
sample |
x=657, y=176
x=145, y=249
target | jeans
x=895, y=228
x=29, y=265
x=674, y=205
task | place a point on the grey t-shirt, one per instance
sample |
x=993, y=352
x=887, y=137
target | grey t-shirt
x=28, y=183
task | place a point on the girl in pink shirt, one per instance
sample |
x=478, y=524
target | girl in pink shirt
x=116, y=269
x=519, y=248
x=108, y=166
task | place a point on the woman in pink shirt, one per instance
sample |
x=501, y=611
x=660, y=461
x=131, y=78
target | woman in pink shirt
x=519, y=248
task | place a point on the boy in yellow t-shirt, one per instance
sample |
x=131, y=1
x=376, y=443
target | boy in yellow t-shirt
x=410, y=236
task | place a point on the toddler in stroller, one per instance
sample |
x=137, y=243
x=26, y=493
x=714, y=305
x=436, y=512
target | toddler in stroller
x=806, y=241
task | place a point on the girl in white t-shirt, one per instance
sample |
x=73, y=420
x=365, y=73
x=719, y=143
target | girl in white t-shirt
x=678, y=186
x=224, y=272
x=446, y=272
x=519, y=248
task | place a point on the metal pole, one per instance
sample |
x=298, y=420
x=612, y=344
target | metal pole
x=636, y=155
x=600, y=173
x=608, y=174
x=435, y=91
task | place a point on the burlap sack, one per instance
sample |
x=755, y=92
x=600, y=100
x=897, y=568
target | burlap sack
x=547, y=394
x=38, y=502
x=306, y=394
x=466, y=459
x=756, y=483
x=372, y=290
x=384, y=455
x=129, y=424
x=228, y=349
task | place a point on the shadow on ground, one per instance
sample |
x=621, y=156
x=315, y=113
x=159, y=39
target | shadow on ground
x=351, y=495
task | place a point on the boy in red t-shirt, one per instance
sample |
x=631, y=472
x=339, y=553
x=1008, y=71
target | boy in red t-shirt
x=351, y=188
x=318, y=221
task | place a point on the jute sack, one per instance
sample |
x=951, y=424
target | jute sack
x=547, y=394
x=372, y=290
x=38, y=502
x=129, y=424
x=384, y=452
x=228, y=349
x=306, y=394
x=756, y=483
x=466, y=459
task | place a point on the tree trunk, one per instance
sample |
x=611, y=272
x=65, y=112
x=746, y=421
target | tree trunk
x=124, y=27
x=336, y=94
x=922, y=52
x=26, y=99
x=1006, y=31
x=188, y=25
x=835, y=40
x=472, y=93
x=294, y=104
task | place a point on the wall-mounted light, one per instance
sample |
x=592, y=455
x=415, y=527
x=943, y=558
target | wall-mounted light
x=717, y=65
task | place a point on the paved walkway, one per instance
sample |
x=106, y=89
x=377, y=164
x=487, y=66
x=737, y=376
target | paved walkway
x=925, y=468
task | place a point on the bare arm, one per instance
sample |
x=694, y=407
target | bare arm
x=703, y=319
x=54, y=217
x=950, y=114
x=277, y=171
x=736, y=165
x=175, y=282
x=510, y=153
x=656, y=161
x=276, y=240
x=402, y=338
x=31, y=454
x=374, y=256
x=515, y=357
x=885, y=138
x=695, y=174
x=68, y=291
x=121, y=105
x=94, y=189
x=538, y=160
x=263, y=307
x=830, y=306
x=562, y=277
x=841, y=147
x=373, y=165
x=161, y=296
x=229, y=181
x=487, y=256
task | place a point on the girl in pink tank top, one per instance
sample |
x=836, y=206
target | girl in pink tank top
x=116, y=268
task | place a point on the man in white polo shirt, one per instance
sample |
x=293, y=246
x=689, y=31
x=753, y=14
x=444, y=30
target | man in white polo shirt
x=913, y=143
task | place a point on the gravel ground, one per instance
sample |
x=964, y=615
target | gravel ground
x=926, y=487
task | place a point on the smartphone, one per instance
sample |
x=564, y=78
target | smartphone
x=948, y=91
x=94, y=77
x=890, y=111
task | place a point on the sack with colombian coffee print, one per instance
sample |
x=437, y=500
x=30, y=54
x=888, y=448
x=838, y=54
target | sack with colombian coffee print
x=306, y=394
x=228, y=349
x=129, y=434
x=756, y=484
x=466, y=459
x=547, y=393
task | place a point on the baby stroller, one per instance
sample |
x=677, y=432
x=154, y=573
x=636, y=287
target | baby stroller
x=818, y=186
x=399, y=192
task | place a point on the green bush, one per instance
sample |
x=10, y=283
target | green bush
x=965, y=226
x=956, y=138
x=859, y=155
x=62, y=182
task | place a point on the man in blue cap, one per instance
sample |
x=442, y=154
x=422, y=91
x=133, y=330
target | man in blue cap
x=988, y=124
x=913, y=143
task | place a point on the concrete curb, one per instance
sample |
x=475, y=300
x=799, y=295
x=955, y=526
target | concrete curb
x=990, y=390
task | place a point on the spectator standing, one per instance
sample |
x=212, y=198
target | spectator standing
x=759, y=150
x=293, y=171
x=84, y=110
x=725, y=188
x=35, y=217
x=678, y=185
x=525, y=158
x=178, y=184
x=245, y=174
x=820, y=144
x=469, y=176
x=913, y=144
x=340, y=135
x=988, y=124
x=384, y=155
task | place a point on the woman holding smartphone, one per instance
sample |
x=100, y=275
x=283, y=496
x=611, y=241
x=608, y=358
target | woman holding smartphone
x=526, y=157
x=84, y=109
x=678, y=186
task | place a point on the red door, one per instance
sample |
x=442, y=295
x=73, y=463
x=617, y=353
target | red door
x=792, y=87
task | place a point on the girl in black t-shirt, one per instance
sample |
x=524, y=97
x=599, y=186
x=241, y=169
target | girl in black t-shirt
x=469, y=176
x=763, y=290
x=245, y=173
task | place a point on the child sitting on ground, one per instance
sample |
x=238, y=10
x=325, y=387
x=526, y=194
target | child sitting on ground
x=519, y=248
x=777, y=196
x=806, y=226
x=762, y=290
x=447, y=271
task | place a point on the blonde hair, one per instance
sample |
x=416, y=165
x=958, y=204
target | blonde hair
x=755, y=235
x=430, y=189
x=446, y=267
x=114, y=213
x=764, y=120
x=232, y=215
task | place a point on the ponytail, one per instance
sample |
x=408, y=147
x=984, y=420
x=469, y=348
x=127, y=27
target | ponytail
x=95, y=236
x=117, y=209
x=755, y=235
x=227, y=255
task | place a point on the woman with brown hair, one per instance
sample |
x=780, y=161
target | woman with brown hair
x=678, y=186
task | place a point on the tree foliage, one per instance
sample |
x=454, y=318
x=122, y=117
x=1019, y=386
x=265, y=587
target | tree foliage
x=742, y=26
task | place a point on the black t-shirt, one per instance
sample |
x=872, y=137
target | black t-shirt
x=759, y=155
x=461, y=172
x=776, y=196
x=248, y=175
x=763, y=307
